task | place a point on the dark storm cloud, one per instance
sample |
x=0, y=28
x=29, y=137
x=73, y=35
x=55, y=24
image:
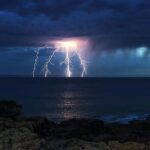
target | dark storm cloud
x=110, y=24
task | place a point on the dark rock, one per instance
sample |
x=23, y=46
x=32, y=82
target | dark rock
x=80, y=128
x=40, y=125
x=9, y=109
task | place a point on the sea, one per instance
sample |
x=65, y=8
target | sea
x=58, y=99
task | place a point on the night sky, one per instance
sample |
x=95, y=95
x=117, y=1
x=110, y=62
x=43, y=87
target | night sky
x=118, y=32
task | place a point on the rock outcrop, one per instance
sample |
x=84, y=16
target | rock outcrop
x=9, y=109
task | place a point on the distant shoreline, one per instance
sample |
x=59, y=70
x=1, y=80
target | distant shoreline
x=62, y=77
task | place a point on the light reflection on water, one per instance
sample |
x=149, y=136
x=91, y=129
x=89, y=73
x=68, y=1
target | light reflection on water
x=60, y=99
x=69, y=106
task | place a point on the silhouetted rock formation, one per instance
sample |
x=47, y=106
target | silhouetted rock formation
x=9, y=109
x=79, y=128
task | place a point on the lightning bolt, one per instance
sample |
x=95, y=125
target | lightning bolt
x=82, y=64
x=68, y=71
x=69, y=49
x=46, y=65
x=35, y=61
x=67, y=62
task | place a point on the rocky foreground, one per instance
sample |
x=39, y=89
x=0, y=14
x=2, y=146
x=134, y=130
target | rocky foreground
x=76, y=134
x=38, y=133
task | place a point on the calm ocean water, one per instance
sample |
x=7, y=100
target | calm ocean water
x=110, y=99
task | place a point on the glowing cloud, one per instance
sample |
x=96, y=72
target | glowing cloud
x=142, y=51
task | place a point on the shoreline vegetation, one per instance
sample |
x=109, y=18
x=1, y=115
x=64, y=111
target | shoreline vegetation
x=18, y=132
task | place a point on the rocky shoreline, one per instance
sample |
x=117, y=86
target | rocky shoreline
x=38, y=133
